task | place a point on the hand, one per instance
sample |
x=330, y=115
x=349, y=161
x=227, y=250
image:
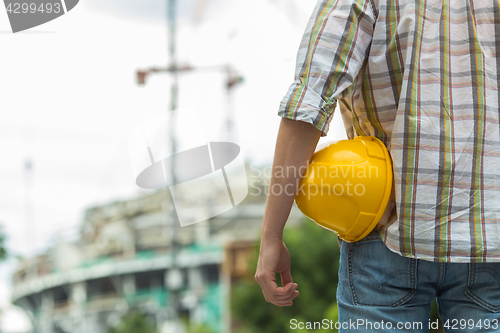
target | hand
x=274, y=258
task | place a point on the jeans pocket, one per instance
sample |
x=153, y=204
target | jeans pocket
x=378, y=276
x=483, y=285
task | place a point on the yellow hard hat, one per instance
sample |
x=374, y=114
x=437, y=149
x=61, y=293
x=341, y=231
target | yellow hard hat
x=347, y=186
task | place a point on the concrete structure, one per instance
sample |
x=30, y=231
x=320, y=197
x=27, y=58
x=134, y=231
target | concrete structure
x=123, y=260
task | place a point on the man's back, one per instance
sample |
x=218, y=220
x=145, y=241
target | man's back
x=422, y=77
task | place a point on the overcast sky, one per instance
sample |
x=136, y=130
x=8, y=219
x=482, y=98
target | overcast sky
x=70, y=100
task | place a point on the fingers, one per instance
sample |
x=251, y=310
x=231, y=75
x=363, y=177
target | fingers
x=280, y=296
x=288, y=288
x=287, y=300
x=285, y=292
x=267, y=284
x=286, y=277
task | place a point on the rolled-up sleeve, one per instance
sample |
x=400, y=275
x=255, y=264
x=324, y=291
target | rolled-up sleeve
x=332, y=52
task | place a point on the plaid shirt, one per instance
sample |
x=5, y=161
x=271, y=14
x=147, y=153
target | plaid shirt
x=422, y=76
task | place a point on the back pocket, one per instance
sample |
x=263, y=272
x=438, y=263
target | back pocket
x=484, y=285
x=378, y=276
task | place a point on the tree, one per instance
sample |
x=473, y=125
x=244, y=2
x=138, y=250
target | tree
x=198, y=328
x=134, y=322
x=3, y=251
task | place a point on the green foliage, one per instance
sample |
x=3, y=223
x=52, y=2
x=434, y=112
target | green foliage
x=200, y=328
x=314, y=254
x=3, y=250
x=435, y=316
x=134, y=322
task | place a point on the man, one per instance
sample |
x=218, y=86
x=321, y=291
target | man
x=422, y=76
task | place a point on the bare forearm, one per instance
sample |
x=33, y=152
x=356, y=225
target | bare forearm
x=295, y=146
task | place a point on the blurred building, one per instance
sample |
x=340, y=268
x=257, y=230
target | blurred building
x=123, y=259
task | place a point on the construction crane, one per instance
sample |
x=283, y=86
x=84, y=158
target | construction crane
x=174, y=278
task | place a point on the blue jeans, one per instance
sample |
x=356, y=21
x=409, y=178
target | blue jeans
x=382, y=291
